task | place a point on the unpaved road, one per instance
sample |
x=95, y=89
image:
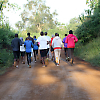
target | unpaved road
x=78, y=82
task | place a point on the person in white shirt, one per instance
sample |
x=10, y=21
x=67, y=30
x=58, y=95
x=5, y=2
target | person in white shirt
x=57, y=45
x=22, y=51
x=42, y=41
x=48, y=46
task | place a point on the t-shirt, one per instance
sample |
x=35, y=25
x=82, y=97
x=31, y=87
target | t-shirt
x=65, y=44
x=35, y=47
x=42, y=42
x=49, y=39
x=28, y=44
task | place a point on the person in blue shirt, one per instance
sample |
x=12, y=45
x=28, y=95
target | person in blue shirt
x=28, y=44
x=65, y=46
x=35, y=48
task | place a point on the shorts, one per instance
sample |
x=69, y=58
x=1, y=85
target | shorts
x=52, y=49
x=47, y=50
x=16, y=54
x=43, y=53
x=22, y=54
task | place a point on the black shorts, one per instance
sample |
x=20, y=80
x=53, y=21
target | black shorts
x=43, y=52
x=16, y=54
x=22, y=54
x=52, y=49
x=47, y=51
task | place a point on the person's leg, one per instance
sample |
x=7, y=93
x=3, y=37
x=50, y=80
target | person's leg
x=56, y=55
x=18, y=54
x=72, y=55
x=14, y=53
x=27, y=58
x=34, y=54
x=69, y=54
x=59, y=53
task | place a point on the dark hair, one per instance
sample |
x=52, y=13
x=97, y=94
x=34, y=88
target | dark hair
x=70, y=32
x=65, y=34
x=56, y=34
x=34, y=36
x=28, y=34
x=16, y=35
x=45, y=33
x=41, y=33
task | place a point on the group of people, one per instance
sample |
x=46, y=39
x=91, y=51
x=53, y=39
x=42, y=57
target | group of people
x=45, y=45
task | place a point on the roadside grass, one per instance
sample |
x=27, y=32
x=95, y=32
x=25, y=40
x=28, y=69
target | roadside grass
x=89, y=52
x=6, y=60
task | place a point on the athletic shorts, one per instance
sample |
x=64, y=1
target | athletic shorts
x=22, y=54
x=43, y=53
x=47, y=51
x=16, y=54
x=52, y=49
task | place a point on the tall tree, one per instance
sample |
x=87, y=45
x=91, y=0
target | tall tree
x=37, y=17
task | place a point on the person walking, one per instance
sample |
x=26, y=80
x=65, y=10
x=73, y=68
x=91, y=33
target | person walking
x=22, y=51
x=71, y=40
x=48, y=46
x=42, y=41
x=15, y=44
x=35, y=48
x=65, y=47
x=30, y=38
x=28, y=44
x=57, y=45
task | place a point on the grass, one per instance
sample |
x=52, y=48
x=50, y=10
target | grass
x=6, y=60
x=89, y=52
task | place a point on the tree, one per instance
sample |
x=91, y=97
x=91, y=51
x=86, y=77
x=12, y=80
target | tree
x=37, y=17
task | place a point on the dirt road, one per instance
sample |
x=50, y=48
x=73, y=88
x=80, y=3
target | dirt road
x=78, y=82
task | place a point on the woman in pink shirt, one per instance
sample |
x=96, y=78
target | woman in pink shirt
x=71, y=40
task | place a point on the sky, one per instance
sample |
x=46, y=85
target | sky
x=66, y=9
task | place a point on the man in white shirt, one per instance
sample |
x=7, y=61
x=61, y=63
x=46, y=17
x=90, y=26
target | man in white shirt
x=48, y=46
x=57, y=45
x=42, y=41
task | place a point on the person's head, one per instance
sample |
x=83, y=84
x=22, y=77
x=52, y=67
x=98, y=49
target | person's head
x=41, y=34
x=16, y=35
x=21, y=38
x=45, y=33
x=65, y=34
x=53, y=36
x=56, y=34
x=28, y=34
x=70, y=32
x=34, y=36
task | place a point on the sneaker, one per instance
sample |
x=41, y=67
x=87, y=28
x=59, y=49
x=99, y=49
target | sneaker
x=35, y=61
x=29, y=65
x=14, y=63
x=71, y=61
x=57, y=64
x=43, y=66
x=16, y=66
x=68, y=59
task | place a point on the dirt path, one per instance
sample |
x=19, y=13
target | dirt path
x=77, y=82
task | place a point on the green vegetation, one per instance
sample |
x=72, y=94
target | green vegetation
x=88, y=33
x=89, y=52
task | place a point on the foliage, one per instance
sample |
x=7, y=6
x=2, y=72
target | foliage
x=89, y=52
x=36, y=17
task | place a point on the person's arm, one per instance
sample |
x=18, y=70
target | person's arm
x=24, y=44
x=12, y=45
x=76, y=40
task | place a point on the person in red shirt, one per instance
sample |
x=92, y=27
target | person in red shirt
x=71, y=40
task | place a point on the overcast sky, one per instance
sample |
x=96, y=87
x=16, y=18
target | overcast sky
x=66, y=9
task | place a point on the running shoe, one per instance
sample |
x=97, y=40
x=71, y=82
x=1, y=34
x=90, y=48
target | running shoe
x=35, y=61
x=29, y=65
x=68, y=59
x=43, y=66
x=16, y=66
x=57, y=64
x=14, y=63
